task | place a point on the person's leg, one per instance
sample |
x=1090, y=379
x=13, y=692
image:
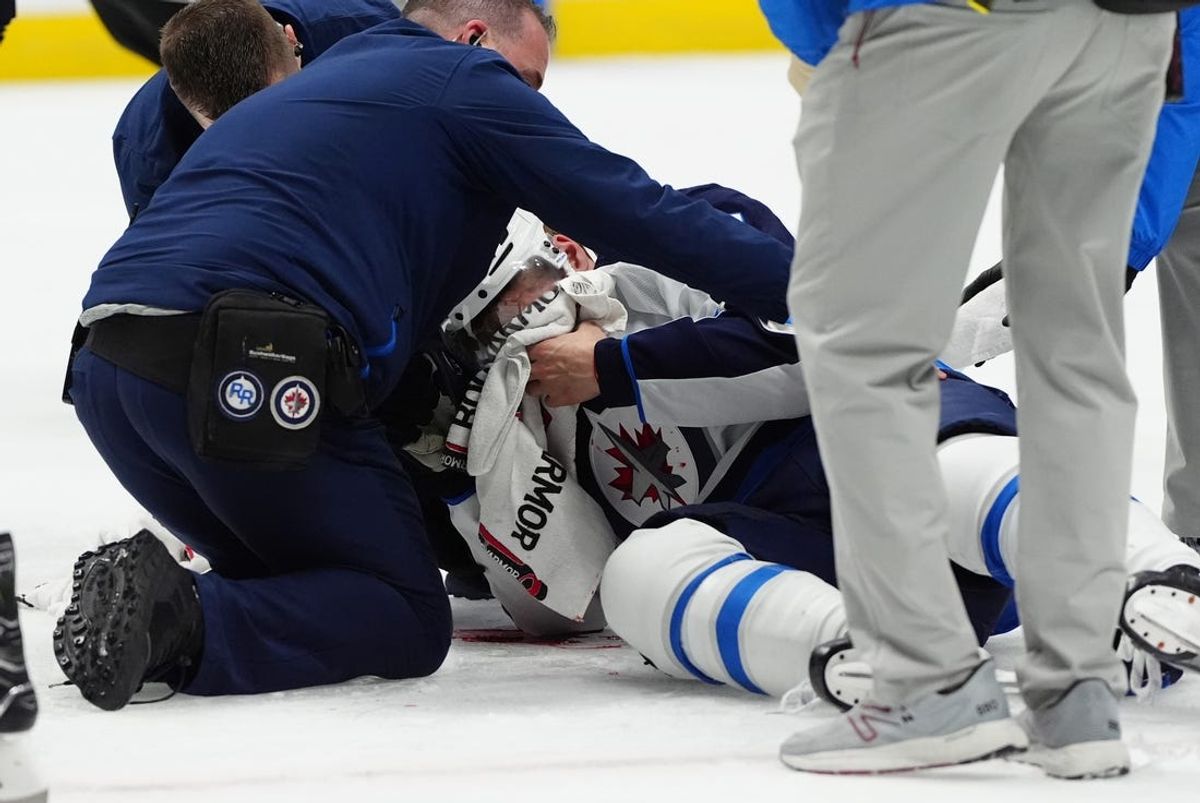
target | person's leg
x=698, y=606
x=1068, y=211
x=350, y=588
x=885, y=238
x=158, y=487
x=1179, y=303
x=980, y=473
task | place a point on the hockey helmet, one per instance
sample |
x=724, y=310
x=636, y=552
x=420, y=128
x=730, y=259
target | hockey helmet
x=526, y=244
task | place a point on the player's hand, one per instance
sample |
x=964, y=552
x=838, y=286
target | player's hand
x=564, y=367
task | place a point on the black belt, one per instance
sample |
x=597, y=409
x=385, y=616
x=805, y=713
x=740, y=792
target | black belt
x=157, y=348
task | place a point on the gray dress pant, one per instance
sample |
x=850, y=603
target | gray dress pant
x=903, y=129
x=1179, y=303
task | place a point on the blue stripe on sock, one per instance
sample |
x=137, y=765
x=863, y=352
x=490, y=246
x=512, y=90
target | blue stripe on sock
x=989, y=537
x=681, y=604
x=729, y=622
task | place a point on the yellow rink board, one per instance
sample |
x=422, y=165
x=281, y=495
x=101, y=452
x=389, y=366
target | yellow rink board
x=609, y=27
x=78, y=46
x=66, y=46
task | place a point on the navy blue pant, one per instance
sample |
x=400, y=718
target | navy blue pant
x=319, y=575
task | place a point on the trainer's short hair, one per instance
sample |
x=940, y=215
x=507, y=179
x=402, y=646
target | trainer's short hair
x=220, y=52
x=503, y=14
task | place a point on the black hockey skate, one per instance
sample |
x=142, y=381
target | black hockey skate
x=18, y=706
x=837, y=675
x=134, y=617
x=1161, y=615
x=468, y=586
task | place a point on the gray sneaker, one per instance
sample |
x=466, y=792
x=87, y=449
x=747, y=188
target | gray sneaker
x=965, y=723
x=1078, y=736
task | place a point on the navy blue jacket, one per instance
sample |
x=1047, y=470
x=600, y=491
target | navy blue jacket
x=155, y=130
x=376, y=182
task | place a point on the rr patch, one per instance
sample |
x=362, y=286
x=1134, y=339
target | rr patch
x=295, y=402
x=240, y=395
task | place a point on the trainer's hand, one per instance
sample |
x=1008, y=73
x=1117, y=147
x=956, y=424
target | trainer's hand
x=564, y=367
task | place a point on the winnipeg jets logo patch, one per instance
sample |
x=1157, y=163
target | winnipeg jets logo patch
x=295, y=402
x=240, y=395
x=641, y=468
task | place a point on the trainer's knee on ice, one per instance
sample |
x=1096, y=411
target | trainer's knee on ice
x=423, y=648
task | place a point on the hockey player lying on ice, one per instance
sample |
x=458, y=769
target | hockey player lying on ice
x=705, y=465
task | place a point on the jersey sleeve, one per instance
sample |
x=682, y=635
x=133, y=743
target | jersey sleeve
x=727, y=369
x=1174, y=156
x=808, y=28
x=515, y=144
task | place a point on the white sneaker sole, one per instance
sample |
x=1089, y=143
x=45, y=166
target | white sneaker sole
x=1166, y=619
x=994, y=739
x=1080, y=761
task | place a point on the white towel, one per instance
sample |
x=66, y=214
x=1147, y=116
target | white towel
x=979, y=330
x=541, y=532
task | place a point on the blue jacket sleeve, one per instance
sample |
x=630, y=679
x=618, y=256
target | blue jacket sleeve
x=739, y=205
x=154, y=132
x=729, y=369
x=1174, y=156
x=522, y=149
x=808, y=28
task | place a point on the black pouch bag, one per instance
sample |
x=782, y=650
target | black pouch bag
x=258, y=380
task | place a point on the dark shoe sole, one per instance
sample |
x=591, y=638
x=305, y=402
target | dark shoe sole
x=102, y=641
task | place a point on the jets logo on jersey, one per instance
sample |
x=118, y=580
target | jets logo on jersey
x=295, y=402
x=239, y=395
x=640, y=468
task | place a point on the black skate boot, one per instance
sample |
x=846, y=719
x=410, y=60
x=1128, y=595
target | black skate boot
x=134, y=617
x=837, y=675
x=1161, y=615
x=18, y=706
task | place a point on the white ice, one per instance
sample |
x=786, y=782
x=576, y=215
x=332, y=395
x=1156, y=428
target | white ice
x=574, y=722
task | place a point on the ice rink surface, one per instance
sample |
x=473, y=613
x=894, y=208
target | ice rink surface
x=502, y=720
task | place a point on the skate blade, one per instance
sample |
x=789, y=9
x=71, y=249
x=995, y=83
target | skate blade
x=1166, y=622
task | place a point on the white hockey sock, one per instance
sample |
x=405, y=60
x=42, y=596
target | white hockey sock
x=691, y=600
x=980, y=474
x=1151, y=545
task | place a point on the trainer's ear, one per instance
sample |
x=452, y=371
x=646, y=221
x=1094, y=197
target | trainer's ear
x=472, y=32
x=577, y=255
